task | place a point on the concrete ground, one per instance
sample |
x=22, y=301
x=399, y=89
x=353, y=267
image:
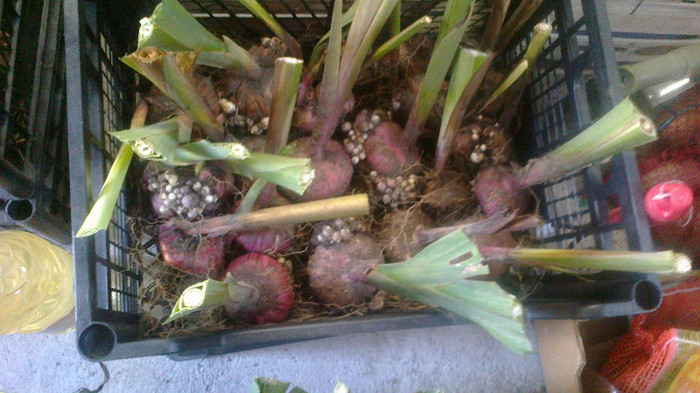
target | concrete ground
x=454, y=358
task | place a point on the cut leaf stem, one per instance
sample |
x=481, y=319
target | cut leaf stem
x=467, y=68
x=623, y=128
x=101, y=212
x=328, y=209
x=663, y=262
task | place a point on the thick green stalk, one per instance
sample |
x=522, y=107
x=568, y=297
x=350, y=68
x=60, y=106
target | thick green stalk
x=201, y=296
x=285, y=83
x=515, y=75
x=430, y=86
x=467, y=65
x=510, y=331
x=135, y=133
x=512, y=100
x=155, y=142
x=257, y=9
x=368, y=22
x=298, y=213
x=103, y=208
x=295, y=174
x=623, y=128
x=663, y=262
x=397, y=39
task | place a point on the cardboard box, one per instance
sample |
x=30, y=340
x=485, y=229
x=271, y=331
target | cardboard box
x=571, y=351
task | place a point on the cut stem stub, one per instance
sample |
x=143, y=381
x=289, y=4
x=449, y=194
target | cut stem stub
x=327, y=209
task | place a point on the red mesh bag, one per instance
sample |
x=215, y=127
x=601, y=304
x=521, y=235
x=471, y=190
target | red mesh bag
x=638, y=359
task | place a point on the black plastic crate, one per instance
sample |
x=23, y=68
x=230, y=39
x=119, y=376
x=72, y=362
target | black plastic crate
x=34, y=182
x=101, y=92
x=571, y=86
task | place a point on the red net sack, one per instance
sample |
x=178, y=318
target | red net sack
x=637, y=360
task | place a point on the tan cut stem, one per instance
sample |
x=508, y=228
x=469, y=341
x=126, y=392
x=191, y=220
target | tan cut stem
x=326, y=209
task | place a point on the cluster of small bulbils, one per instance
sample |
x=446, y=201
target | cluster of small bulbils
x=235, y=119
x=394, y=191
x=481, y=137
x=273, y=44
x=358, y=132
x=479, y=153
x=337, y=231
x=183, y=195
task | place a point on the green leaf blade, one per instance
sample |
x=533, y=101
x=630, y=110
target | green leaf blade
x=150, y=70
x=329, y=83
x=172, y=28
x=466, y=66
x=103, y=208
x=295, y=174
x=269, y=385
x=510, y=331
x=200, y=296
x=447, y=260
x=456, y=11
x=181, y=89
x=395, y=42
x=440, y=62
x=515, y=75
x=320, y=45
x=484, y=303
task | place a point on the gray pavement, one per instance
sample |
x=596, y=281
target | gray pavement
x=454, y=358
